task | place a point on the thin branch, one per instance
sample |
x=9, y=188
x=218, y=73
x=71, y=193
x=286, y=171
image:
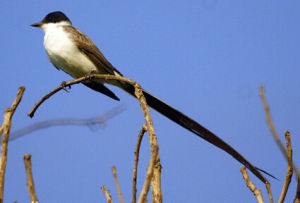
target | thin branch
x=77, y=81
x=114, y=170
x=251, y=186
x=152, y=140
x=139, y=95
x=90, y=122
x=6, y=125
x=1, y=130
x=156, y=182
x=106, y=193
x=289, y=172
x=272, y=127
x=30, y=183
x=136, y=160
x=297, y=197
x=268, y=187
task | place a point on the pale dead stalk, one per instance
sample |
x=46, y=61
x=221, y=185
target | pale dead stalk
x=6, y=125
x=251, y=186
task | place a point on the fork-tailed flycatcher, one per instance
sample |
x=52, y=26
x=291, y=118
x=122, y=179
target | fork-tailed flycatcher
x=75, y=53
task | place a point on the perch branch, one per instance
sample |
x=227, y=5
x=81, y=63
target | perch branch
x=76, y=81
x=139, y=95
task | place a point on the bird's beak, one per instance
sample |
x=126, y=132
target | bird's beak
x=37, y=24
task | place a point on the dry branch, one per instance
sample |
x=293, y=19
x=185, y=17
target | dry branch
x=251, y=186
x=114, y=170
x=136, y=160
x=289, y=172
x=76, y=81
x=30, y=183
x=272, y=127
x=152, y=140
x=139, y=95
x=268, y=186
x=6, y=125
x=106, y=193
x=275, y=135
x=156, y=182
x=297, y=197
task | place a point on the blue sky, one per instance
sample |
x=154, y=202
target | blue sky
x=207, y=58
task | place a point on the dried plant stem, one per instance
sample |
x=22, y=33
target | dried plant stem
x=276, y=137
x=289, y=172
x=106, y=193
x=114, y=170
x=152, y=140
x=139, y=95
x=268, y=187
x=76, y=81
x=297, y=197
x=272, y=127
x=6, y=125
x=30, y=183
x=251, y=186
x=136, y=160
x=156, y=182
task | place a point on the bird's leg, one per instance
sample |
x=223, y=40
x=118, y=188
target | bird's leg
x=65, y=86
x=91, y=73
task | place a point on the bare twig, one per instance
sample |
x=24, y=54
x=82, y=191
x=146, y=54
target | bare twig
x=136, y=160
x=152, y=140
x=289, y=172
x=114, y=170
x=1, y=130
x=268, y=186
x=272, y=127
x=156, y=182
x=275, y=135
x=139, y=95
x=76, y=81
x=90, y=122
x=251, y=186
x=30, y=183
x=297, y=197
x=6, y=125
x=106, y=193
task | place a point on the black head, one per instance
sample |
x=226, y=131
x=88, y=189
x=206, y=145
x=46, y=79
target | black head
x=54, y=17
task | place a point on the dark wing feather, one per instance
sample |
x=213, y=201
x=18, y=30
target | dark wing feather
x=87, y=46
x=101, y=88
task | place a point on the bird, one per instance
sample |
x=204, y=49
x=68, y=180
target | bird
x=73, y=52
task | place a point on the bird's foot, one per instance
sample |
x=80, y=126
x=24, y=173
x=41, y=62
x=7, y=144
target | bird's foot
x=89, y=76
x=65, y=86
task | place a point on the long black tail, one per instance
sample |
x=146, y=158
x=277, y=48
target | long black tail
x=194, y=127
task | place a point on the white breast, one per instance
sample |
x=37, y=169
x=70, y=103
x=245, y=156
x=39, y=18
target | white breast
x=63, y=53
